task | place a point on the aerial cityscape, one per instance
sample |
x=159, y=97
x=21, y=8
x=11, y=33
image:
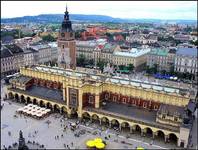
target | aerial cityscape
x=99, y=75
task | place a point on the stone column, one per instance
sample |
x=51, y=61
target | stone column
x=154, y=134
x=120, y=127
x=97, y=101
x=166, y=138
x=69, y=113
x=109, y=124
x=142, y=132
x=131, y=129
x=100, y=122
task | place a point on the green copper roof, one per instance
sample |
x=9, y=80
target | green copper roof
x=160, y=52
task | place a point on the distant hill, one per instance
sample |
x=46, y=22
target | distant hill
x=57, y=18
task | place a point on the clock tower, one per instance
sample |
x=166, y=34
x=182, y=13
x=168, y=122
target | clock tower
x=66, y=44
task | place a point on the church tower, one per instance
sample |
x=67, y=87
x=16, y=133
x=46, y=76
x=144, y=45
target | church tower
x=66, y=44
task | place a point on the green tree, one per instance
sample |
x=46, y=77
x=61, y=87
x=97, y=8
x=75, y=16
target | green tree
x=121, y=67
x=172, y=70
x=101, y=64
x=81, y=61
x=48, y=38
x=130, y=67
x=148, y=70
x=163, y=72
x=155, y=68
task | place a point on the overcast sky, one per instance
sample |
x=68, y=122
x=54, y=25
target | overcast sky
x=120, y=9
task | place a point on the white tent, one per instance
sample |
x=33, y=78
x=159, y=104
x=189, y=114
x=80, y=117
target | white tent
x=34, y=113
x=26, y=107
x=47, y=110
x=30, y=105
x=39, y=115
x=29, y=112
x=20, y=109
x=43, y=109
x=25, y=110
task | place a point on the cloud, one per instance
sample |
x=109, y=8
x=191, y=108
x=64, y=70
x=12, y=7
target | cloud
x=121, y=9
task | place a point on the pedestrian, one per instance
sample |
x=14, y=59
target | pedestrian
x=72, y=144
x=67, y=146
x=62, y=135
x=109, y=136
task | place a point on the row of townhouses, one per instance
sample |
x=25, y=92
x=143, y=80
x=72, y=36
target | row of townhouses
x=182, y=59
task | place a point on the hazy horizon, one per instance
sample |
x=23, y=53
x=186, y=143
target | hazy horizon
x=164, y=10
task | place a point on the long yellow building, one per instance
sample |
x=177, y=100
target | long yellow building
x=124, y=104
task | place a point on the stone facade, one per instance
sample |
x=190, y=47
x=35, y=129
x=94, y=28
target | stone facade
x=164, y=58
x=186, y=60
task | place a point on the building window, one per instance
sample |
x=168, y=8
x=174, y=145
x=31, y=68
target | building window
x=114, y=98
x=145, y=105
x=163, y=116
x=63, y=46
x=91, y=100
x=124, y=100
x=155, y=107
x=106, y=96
x=175, y=119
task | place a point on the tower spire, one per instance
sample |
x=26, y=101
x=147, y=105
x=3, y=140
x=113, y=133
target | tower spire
x=66, y=16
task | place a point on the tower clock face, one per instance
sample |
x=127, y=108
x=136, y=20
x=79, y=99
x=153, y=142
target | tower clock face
x=63, y=34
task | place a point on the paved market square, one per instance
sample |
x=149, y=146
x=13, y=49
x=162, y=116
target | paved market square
x=46, y=133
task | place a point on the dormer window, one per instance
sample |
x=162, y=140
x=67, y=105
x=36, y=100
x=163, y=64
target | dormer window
x=163, y=116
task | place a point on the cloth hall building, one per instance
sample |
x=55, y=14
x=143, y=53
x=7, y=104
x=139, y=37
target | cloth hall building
x=126, y=104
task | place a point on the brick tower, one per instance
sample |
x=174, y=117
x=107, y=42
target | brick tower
x=66, y=44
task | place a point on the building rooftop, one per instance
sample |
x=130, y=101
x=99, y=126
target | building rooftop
x=40, y=46
x=14, y=49
x=171, y=110
x=114, y=80
x=21, y=79
x=187, y=51
x=132, y=113
x=5, y=52
x=134, y=52
x=43, y=92
x=159, y=52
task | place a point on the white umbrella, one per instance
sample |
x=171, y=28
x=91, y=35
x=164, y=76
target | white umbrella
x=34, y=113
x=34, y=106
x=47, y=110
x=26, y=107
x=25, y=110
x=39, y=115
x=43, y=112
x=38, y=111
x=30, y=105
x=43, y=109
x=20, y=109
x=37, y=107
x=29, y=112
